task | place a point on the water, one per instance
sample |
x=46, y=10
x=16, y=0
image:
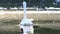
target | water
x=36, y=31
x=10, y=29
x=46, y=31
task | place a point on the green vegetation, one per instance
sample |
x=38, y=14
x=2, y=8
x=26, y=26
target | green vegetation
x=30, y=3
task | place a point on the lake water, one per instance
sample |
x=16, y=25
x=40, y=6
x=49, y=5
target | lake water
x=9, y=29
x=36, y=31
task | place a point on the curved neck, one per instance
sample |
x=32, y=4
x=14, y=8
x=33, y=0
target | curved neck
x=24, y=6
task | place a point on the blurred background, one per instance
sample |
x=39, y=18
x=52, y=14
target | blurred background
x=30, y=3
x=45, y=14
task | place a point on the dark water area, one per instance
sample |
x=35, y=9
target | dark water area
x=46, y=31
x=9, y=32
x=36, y=31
